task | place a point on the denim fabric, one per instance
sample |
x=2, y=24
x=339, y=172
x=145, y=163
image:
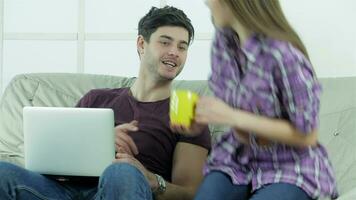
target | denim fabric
x=119, y=181
x=123, y=182
x=218, y=185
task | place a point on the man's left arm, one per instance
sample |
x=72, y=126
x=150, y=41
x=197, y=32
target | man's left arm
x=187, y=172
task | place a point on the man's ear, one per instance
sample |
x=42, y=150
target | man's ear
x=140, y=45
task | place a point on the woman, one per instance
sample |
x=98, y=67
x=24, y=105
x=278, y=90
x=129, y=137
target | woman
x=268, y=93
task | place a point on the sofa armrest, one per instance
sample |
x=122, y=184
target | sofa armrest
x=17, y=95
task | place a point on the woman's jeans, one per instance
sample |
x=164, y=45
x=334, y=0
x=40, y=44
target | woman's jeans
x=218, y=185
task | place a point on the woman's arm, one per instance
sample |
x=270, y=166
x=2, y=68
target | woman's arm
x=211, y=110
x=278, y=130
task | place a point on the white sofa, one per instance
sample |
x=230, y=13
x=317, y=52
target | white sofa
x=337, y=115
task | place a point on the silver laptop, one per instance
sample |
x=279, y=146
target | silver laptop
x=68, y=141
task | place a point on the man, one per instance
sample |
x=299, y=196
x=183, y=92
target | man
x=152, y=161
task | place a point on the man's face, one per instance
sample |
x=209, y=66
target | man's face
x=165, y=55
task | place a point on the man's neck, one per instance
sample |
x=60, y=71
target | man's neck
x=148, y=90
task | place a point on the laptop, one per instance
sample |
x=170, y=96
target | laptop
x=68, y=141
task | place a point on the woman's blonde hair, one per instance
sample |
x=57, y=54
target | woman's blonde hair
x=266, y=17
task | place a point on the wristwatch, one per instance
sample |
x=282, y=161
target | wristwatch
x=161, y=185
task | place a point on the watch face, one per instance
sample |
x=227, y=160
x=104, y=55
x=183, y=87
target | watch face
x=161, y=184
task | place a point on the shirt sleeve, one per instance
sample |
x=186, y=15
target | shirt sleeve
x=87, y=100
x=299, y=89
x=203, y=139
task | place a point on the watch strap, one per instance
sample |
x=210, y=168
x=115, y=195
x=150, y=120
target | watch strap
x=161, y=185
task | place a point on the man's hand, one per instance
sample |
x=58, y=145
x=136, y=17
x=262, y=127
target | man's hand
x=126, y=158
x=123, y=142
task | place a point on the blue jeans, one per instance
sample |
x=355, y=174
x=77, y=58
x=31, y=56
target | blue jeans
x=217, y=185
x=119, y=181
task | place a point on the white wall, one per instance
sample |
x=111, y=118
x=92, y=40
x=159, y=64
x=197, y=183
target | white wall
x=328, y=29
x=98, y=36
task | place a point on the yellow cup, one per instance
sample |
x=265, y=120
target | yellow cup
x=182, y=106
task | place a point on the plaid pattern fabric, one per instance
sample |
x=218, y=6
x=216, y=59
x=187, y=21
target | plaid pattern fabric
x=271, y=78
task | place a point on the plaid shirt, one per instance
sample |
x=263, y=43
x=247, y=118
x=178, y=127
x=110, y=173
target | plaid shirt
x=271, y=78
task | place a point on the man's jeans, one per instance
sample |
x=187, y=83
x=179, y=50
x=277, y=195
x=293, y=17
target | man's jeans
x=119, y=181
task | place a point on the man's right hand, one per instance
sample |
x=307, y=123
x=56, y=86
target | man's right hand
x=123, y=142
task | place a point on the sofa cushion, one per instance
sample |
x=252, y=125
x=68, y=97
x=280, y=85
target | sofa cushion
x=338, y=128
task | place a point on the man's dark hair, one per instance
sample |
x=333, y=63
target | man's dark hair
x=166, y=16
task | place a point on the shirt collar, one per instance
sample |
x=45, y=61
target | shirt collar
x=252, y=46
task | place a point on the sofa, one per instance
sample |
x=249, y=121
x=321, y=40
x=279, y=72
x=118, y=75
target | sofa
x=337, y=115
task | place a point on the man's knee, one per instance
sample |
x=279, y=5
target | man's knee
x=122, y=172
x=124, y=181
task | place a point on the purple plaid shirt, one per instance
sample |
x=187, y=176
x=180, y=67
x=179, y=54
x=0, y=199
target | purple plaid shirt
x=271, y=78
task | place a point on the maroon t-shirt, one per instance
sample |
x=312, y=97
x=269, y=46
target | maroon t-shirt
x=154, y=139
